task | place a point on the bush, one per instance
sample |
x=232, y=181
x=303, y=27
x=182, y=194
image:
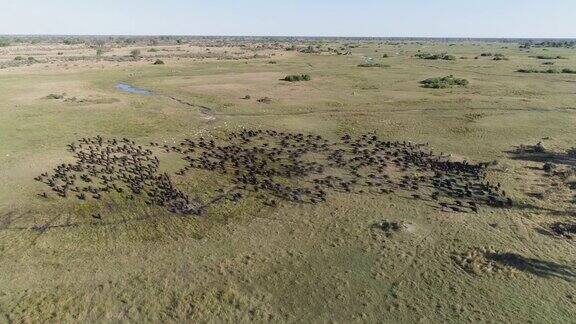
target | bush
x=99, y=52
x=373, y=64
x=55, y=96
x=548, y=57
x=443, y=82
x=549, y=167
x=548, y=71
x=500, y=57
x=265, y=100
x=18, y=58
x=158, y=62
x=443, y=56
x=152, y=50
x=297, y=78
x=527, y=70
x=385, y=56
x=135, y=53
x=71, y=41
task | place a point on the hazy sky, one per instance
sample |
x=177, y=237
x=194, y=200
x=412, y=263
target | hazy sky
x=437, y=18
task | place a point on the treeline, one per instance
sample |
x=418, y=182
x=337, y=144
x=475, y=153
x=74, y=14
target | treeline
x=550, y=43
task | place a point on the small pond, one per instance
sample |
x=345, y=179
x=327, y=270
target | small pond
x=130, y=89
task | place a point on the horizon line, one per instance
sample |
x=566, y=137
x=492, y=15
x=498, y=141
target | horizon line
x=289, y=36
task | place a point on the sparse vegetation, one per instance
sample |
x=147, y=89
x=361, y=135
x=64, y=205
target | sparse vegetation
x=158, y=62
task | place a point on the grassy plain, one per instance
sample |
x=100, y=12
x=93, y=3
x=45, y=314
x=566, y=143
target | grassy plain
x=294, y=263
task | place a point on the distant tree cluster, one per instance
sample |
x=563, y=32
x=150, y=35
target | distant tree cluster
x=72, y=41
x=441, y=56
x=550, y=43
x=443, y=82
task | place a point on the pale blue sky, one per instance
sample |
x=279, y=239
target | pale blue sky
x=384, y=18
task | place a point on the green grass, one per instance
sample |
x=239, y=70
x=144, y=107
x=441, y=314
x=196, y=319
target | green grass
x=294, y=263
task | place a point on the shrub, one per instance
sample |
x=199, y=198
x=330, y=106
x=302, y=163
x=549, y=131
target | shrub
x=55, y=96
x=500, y=57
x=443, y=56
x=548, y=71
x=385, y=56
x=373, y=64
x=549, y=167
x=539, y=148
x=71, y=41
x=99, y=52
x=266, y=100
x=548, y=57
x=527, y=70
x=443, y=82
x=158, y=62
x=297, y=78
x=135, y=53
x=18, y=58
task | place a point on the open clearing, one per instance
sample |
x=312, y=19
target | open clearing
x=295, y=239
